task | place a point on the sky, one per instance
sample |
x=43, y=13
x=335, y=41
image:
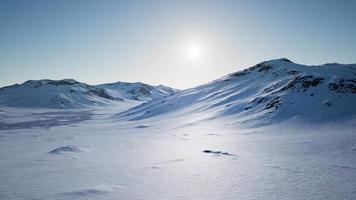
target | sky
x=180, y=43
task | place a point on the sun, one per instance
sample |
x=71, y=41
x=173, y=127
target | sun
x=193, y=51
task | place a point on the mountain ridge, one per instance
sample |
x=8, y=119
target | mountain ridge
x=69, y=93
x=270, y=91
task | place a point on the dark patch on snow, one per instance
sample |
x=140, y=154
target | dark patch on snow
x=274, y=103
x=66, y=149
x=88, y=192
x=100, y=92
x=218, y=153
x=343, y=86
x=293, y=72
x=259, y=100
x=345, y=167
x=327, y=103
x=141, y=91
x=302, y=82
x=270, y=88
x=240, y=73
x=263, y=67
x=62, y=82
x=316, y=81
x=142, y=126
x=285, y=60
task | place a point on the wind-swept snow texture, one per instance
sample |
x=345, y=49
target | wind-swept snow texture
x=172, y=158
x=271, y=91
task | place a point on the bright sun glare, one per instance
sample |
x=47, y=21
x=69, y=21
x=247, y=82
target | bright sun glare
x=193, y=52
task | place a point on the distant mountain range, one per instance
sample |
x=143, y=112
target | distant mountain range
x=69, y=93
x=137, y=91
x=270, y=91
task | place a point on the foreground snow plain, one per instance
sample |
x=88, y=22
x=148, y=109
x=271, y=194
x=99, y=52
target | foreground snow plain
x=89, y=154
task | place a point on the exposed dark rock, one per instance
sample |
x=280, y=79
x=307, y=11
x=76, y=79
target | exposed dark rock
x=142, y=90
x=343, y=86
x=293, y=72
x=270, y=88
x=99, y=92
x=259, y=100
x=302, y=82
x=306, y=84
x=286, y=60
x=62, y=82
x=263, y=67
x=274, y=103
x=241, y=73
x=218, y=152
x=317, y=81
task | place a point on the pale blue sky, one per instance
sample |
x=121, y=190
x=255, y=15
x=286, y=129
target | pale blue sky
x=147, y=41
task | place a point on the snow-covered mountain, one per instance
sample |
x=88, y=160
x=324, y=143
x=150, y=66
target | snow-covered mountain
x=68, y=93
x=270, y=91
x=137, y=91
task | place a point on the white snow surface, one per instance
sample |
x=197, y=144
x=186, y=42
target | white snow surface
x=174, y=158
x=192, y=145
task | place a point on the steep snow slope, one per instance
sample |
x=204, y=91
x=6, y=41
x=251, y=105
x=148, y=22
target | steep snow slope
x=271, y=91
x=137, y=91
x=66, y=93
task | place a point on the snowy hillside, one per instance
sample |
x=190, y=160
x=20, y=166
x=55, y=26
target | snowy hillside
x=271, y=91
x=66, y=93
x=137, y=91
